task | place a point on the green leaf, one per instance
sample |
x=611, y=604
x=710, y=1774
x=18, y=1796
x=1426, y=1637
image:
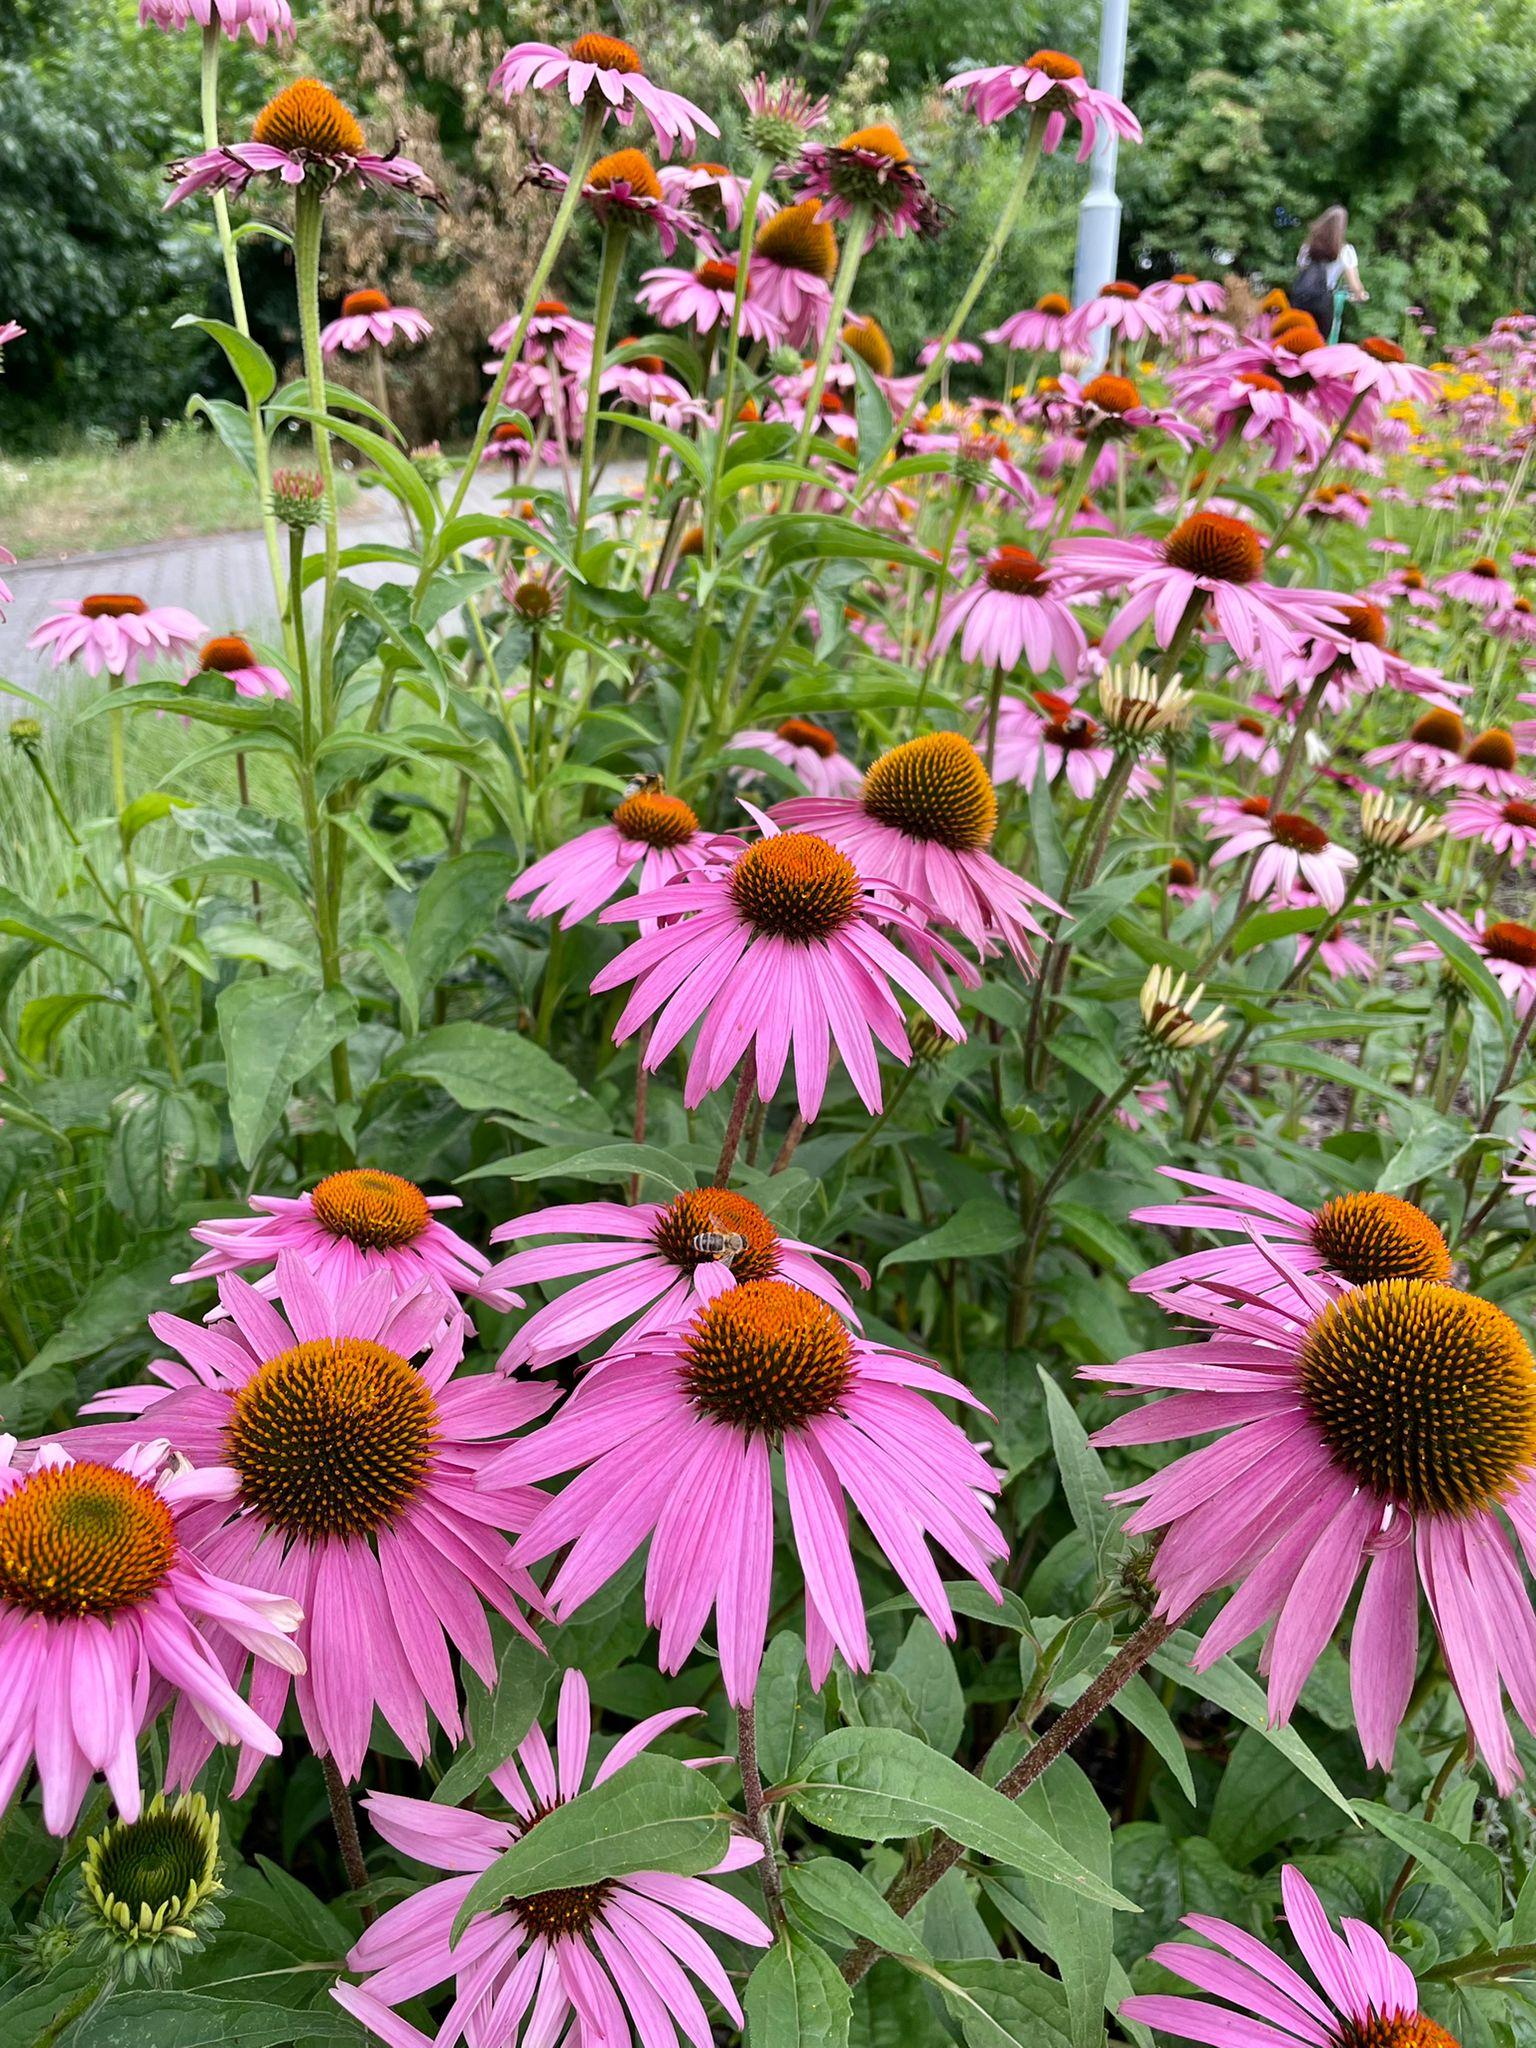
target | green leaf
x=682, y=447
x=842, y=1894
x=457, y=905
x=1228, y=1686
x=497, y=1717
x=1467, y=966
x=925, y=1667
x=797, y=1998
x=1003, y=2005
x=244, y=843
x=616, y=1162
x=654, y=1814
x=395, y=466
x=248, y=359
x=232, y=424
x=18, y=920
x=188, y=2019
x=979, y=1226
x=116, y=1305
x=791, y=1714
x=1137, y=1703
x=870, y=409
x=1433, y=1143
x=161, y=1138
x=44, y=1017
x=876, y=1783
x=482, y=1068
x=275, y=1033
x=1079, y=1934
x=1083, y=1477
x=148, y=809
x=1467, y=1870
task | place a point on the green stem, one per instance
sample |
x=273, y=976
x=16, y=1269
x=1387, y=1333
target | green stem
x=76, y=2009
x=602, y=320
x=1056, y=1740
x=1311, y=482
x=990, y=258
x=570, y=199
x=261, y=455
x=842, y=293
x=309, y=797
x=761, y=171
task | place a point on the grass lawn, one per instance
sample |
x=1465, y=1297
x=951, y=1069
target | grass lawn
x=170, y=487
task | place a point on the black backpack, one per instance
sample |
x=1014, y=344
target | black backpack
x=1310, y=293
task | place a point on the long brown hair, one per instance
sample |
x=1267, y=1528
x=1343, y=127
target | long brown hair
x=1325, y=237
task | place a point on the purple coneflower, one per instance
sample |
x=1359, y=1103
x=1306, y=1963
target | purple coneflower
x=623, y=190
x=793, y=262
x=1480, y=584
x=104, y=1599
x=256, y=18
x=304, y=133
x=1036, y=329
x=711, y=189
x=227, y=654
x=1121, y=308
x=1504, y=825
x=810, y=750
x=660, y=1261
x=650, y=838
x=1430, y=754
x=596, y=1959
x=1247, y=739
x=602, y=68
x=368, y=319
x=674, y=1439
x=1506, y=948
x=1016, y=610
x=553, y=330
x=1369, y=1994
x=1351, y=1239
x=115, y=632
x=1376, y=368
x=785, y=948
x=1289, y=845
x=1387, y=1429
x=952, y=352
x=1490, y=762
x=1052, y=83
x=923, y=822
x=353, y=1224
x=1186, y=293
x=703, y=298
x=358, y=1494
x=1210, y=554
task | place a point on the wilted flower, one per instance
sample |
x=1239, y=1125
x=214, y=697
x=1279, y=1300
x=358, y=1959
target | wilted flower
x=780, y=116
x=1137, y=708
x=1171, y=1024
x=871, y=168
x=1390, y=831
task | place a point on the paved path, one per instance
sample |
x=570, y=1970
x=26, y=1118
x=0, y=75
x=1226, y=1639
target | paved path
x=222, y=579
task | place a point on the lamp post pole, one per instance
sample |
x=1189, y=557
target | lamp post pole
x=1098, y=219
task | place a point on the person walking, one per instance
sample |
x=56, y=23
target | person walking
x=1327, y=272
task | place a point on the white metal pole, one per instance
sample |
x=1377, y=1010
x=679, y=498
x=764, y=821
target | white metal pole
x=1098, y=220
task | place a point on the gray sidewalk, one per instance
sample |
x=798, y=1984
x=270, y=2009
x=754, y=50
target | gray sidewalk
x=222, y=578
